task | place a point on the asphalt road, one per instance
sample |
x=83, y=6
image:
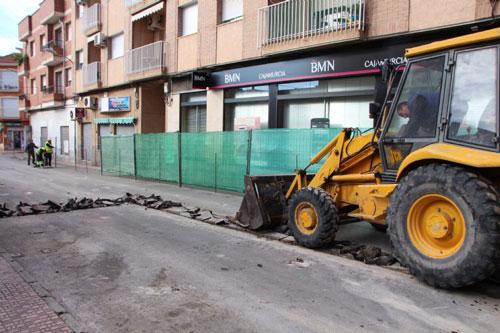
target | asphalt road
x=127, y=269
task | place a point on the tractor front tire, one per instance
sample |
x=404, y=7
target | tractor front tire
x=444, y=225
x=313, y=217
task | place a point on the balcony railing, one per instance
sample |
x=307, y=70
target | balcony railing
x=52, y=44
x=9, y=113
x=130, y=3
x=9, y=85
x=91, y=17
x=296, y=19
x=92, y=74
x=145, y=58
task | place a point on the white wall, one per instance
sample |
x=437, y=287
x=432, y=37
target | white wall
x=53, y=120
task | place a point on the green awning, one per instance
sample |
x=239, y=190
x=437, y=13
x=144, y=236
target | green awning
x=124, y=121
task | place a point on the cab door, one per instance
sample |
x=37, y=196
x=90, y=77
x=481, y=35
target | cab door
x=414, y=114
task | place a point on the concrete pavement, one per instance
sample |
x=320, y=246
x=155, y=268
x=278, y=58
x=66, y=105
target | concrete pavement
x=127, y=269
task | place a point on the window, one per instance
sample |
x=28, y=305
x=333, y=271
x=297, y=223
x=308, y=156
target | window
x=43, y=81
x=474, y=101
x=69, y=74
x=189, y=20
x=194, y=112
x=42, y=42
x=79, y=59
x=32, y=48
x=116, y=47
x=68, y=31
x=338, y=102
x=59, y=83
x=33, y=86
x=79, y=11
x=231, y=9
x=64, y=140
x=418, y=105
x=43, y=136
x=10, y=108
x=58, y=37
x=9, y=81
x=246, y=108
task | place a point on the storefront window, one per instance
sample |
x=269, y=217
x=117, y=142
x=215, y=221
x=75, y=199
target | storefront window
x=194, y=112
x=340, y=102
x=246, y=108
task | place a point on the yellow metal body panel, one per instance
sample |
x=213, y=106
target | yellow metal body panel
x=372, y=200
x=475, y=38
x=451, y=153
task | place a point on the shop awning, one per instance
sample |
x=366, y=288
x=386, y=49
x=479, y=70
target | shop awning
x=121, y=121
x=148, y=11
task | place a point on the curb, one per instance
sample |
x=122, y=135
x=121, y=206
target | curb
x=58, y=309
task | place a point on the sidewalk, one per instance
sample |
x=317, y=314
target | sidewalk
x=21, y=309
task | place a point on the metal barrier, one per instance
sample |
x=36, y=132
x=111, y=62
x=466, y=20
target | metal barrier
x=295, y=19
x=91, y=17
x=91, y=73
x=145, y=58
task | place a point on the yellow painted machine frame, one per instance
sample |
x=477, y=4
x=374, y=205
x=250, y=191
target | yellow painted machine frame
x=351, y=172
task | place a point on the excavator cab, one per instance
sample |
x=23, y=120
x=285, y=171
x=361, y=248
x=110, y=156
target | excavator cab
x=429, y=171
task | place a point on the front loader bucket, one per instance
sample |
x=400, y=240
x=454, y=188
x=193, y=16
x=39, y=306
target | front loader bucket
x=264, y=202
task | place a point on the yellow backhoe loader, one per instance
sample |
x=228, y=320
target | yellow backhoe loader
x=429, y=171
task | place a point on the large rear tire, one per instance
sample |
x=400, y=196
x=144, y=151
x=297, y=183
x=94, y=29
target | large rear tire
x=444, y=224
x=313, y=217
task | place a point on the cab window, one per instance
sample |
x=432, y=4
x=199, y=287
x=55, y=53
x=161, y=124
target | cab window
x=418, y=104
x=474, y=99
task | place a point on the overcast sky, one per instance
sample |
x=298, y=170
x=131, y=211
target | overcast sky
x=11, y=13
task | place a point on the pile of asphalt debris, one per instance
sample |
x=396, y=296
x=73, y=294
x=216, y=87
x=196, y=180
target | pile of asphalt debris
x=366, y=253
x=371, y=255
x=152, y=201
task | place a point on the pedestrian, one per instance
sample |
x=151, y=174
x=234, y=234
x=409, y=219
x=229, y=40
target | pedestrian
x=40, y=157
x=48, y=153
x=30, y=149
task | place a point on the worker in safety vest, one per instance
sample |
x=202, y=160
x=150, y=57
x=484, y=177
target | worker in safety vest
x=48, y=153
x=40, y=156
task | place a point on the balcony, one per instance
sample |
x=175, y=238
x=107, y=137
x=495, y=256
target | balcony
x=51, y=11
x=52, y=94
x=92, y=74
x=91, y=20
x=131, y=3
x=7, y=85
x=54, y=48
x=24, y=68
x=302, y=19
x=148, y=59
x=24, y=29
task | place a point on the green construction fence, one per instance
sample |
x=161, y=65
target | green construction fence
x=217, y=160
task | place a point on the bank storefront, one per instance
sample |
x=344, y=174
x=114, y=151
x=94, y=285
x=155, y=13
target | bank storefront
x=331, y=90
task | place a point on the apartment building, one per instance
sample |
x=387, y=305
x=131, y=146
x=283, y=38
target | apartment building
x=147, y=66
x=46, y=74
x=14, y=124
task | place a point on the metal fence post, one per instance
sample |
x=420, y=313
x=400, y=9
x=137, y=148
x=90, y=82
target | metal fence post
x=249, y=151
x=119, y=162
x=215, y=172
x=179, y=153
x=135, y=157
x=159, y=163
x=100, y=152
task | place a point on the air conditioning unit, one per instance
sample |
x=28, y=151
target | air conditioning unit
x=82, y=2
x=100, y=40
x=155, y=22
x=90, y=102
